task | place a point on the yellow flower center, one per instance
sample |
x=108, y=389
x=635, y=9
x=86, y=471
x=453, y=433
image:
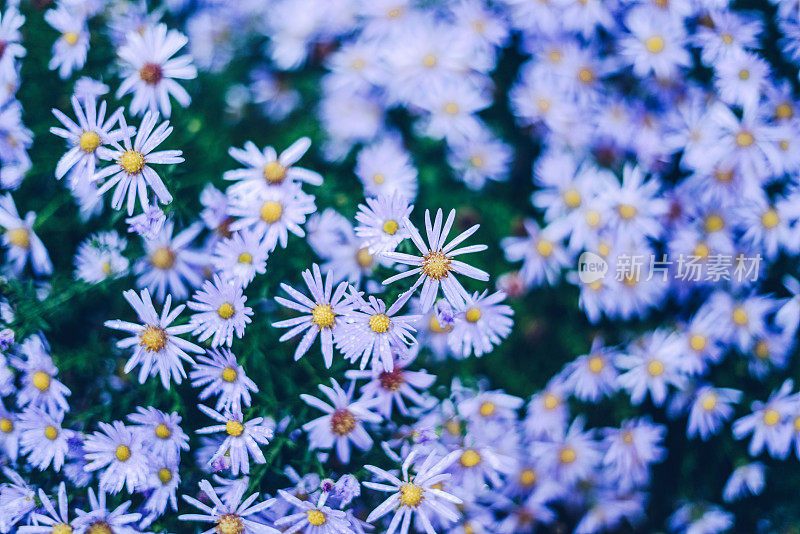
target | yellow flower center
x=61, y=528
x=770, y=219
x=709, y=402
x=342, y=422
x=701, y=251
x=41, y=380
x=322, y=315
x=70, y=37
x=429, y=60
x=271, y=212
x=586, y=75
x=230, y=524
x=101, y=527
x=123, y=453
x=163, y=431
x=627, y=211
x=698, y=342
x=380, y=323
x=132, y=161
x=654, y=44
x=470, y=458
x=436, y=328
x=567, y=455
x=592, y=218
x=784, y=111
x=487, y=409
x=714, y=223
x=655, y=368
x=106, y=268
x=436, y=265
x=473, y=315
x=744, y=138
x=226, y=311
x=476, y=162
x=596, y=364
x=274, y=172
x=89, y=142
x=572, y=198
x=771, y=417
x=527, y=477
x=739, y=316
x=164, y=475
x=627, y=437
x=451, y=108
x=762, y=349
x=727, y=38
x=551, y=402
x=378, y=178
x=390, y=227
x=245, y=257
x=153, y=339
x=6, y=425
x=19, y=237
x=163, y=258
x=364, y=258
x=544, y=248
x=229, y=374
x=411, y=495
x=234, y=428
x=453, y=427
x=50, y=432
x=316, y=518
x=744, y=74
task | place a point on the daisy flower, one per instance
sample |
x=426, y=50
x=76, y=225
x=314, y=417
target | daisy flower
x=10, y=22
x=371, y=330
x=710, y=409
x=9, y=433
x=221, y=312
x=342, y=423
x=380, y=222
x=266, y=167
x=85, y=136
x=56, y=521
x=161, y=489
x=99, y=257
x=482, y=323
x=100, y=519
x=630, y=449
x=240, y=257
x=150, y=70
x=437, y=265
x=242, y=441
x=320, y=313
x=160, y=432
x=745, y=480
x=69, y=50
x=17, y=498
x=119, y=452
x=769, y=423
x=385, y=168
x=20, y=239
x=147, y=224
x=417, y=494
x=170, y=264
x=221, y=375
x=592, y=376
x=656, y=44
x=40, y=387
x=652, y=364
x=313, y=518
x=157, y=347
x=132, y=170
x=541, y=251
x=231, y=515
x=393, y=387
x=273, y=212
x=42, y=438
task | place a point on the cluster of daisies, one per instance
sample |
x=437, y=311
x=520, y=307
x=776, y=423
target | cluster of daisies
x=667, y=151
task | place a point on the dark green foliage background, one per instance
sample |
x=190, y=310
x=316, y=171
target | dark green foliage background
x=550, y=330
